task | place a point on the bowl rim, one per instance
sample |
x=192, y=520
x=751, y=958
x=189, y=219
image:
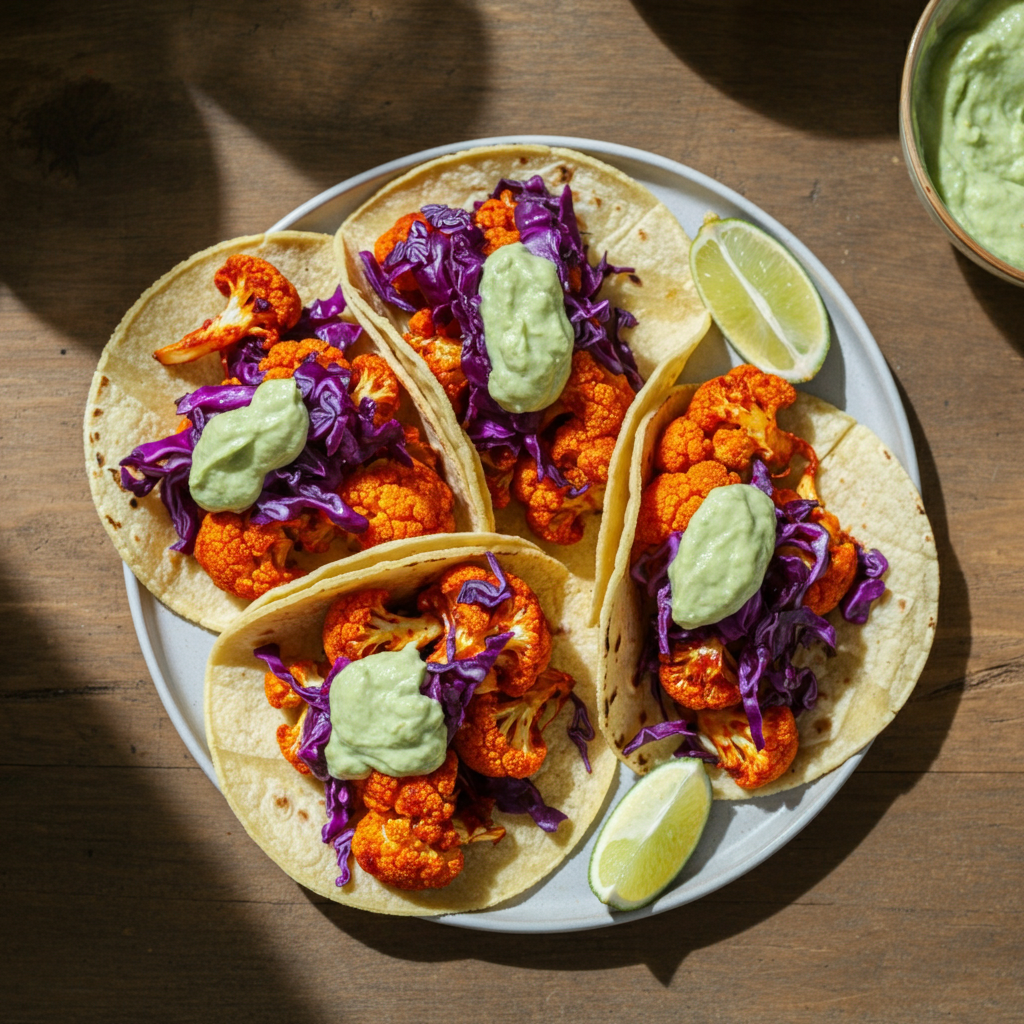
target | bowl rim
x=919, y=172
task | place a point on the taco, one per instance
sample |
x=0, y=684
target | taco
x=321, y=448
x=825, y=649
x=504, y=771
x=556, y=247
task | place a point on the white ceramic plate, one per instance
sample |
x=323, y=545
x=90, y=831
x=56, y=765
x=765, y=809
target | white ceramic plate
x=854, y=377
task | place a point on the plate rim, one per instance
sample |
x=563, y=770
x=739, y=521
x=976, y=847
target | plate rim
x=141, y=601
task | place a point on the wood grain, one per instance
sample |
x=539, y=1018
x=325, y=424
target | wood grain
x=137, y=134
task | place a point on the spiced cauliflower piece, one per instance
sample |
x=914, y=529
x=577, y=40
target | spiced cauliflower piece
x=729, y=732
x=398, y=501
x=503, y=737
x=737, y=412
x=526, y=653
x=261, y=301
x=700, y=674
x=360, y=624
x=669, y=501
x=407, y=838
x=247, y=559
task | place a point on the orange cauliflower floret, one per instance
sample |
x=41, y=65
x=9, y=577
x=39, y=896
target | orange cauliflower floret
x=261, y=301
x=406, y=838
x=373, y=378
x=399, y=232
x=287, y=356
x=598, y=400
x=737, y=411
x=245, y=559
x=526, y=653
x=398, y=501
x=681, y=446
x=358, y=625
x=729, y=731
x=551, y=511
x=288, y=739
x=496, y=218
x=504, y=737
x=700, y=674
x=669, y=501
x=441, y=349
x=281, y=695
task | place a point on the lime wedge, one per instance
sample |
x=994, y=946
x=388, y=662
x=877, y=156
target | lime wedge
x=760, y=297
x=650, y=835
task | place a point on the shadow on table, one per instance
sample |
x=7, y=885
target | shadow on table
x=113, y=908
x=108, y=175
x=1002, y=301
x=896, y=761
x=830, y=67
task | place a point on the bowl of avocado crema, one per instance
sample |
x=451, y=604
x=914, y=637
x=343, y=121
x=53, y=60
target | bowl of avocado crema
x=962, y=127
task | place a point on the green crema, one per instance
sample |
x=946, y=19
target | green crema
x=528, y=337
x=723, y=555
x=972, y=127
x=379, y=718
x=238, y=448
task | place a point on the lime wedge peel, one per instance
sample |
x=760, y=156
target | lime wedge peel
x=761, y=298
x=650, y=834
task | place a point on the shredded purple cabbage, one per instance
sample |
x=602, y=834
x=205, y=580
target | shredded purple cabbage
x=316, y=731
x=689, y=747
x=341, y=436
x=486, y=594
x=453, y=683
x=447, y=263
x=513, y=796
x=766, y=633
x=580, y=729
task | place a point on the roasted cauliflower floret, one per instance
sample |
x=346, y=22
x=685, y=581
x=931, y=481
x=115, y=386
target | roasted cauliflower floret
x=681, y=446
x=729, y=731
x=287, y=356
x=261, y=301
x=373, y=378
x=526, y=653
x=737, y=411
x=669, y=501
x=504, y=736
x=700, y=674
x=552, y=512
x=406, y=838
x=441, y=349
x=289, y=738
x=281, y=695
x=359, y=624
x=499, y=464
x=399, y=232
x=398, y=501
x=243, y=558
x=598, y=400
x=496, y=218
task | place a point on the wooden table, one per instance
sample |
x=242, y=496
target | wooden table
x=138, y=134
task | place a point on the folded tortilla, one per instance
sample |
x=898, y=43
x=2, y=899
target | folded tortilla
x=283, y=811
x=618, y=217
x=133, y=398
x=875, y=666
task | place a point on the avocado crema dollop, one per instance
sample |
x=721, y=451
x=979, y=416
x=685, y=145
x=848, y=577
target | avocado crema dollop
x=379, y=718
x=527, y=334
x=238, y=448
x=723, y=555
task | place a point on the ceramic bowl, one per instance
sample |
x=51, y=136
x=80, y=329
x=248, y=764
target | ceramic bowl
x=939, y=18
